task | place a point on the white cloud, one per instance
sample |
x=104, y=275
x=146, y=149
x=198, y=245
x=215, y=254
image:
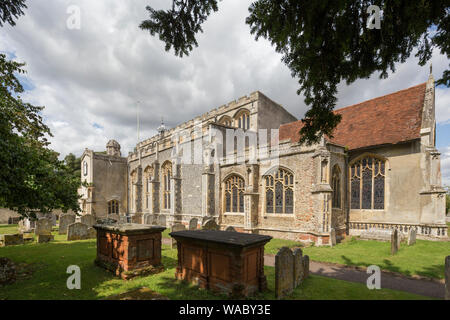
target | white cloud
x=445, y=166
x=90, y=80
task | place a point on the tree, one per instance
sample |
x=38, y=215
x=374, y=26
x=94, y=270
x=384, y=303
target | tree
x=32, y=179
x=323, y=42
x=74, y=165
x=10, y=10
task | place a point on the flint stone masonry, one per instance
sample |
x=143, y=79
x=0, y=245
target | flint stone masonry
x=11, y=239
x=394, y=242
x=231, y=263
x=176, y=227
x=210, y=225
x=44, y=238
x=129, y=249
x=88, y=219
x=284, y=273
x=193, y=223
x=447, y=278
x=43, y=226
x=412, y=236
x=64, y=221
x=77, y=231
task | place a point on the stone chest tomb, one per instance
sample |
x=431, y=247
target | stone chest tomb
x=128, y=249
x=225, y=262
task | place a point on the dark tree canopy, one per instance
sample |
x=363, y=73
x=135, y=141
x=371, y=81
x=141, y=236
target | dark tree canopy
x=323, y=42
x=10, y=10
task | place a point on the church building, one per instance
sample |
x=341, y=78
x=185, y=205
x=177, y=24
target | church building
x=241, y=164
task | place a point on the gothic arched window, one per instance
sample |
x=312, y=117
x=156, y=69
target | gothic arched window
x=367, y=183
x=148, y=173
x=336, y=185
x=234, y=194
x=279, y=187
x=243, y=120
x=167, y=176
x=85, y=168
x=113, y=207
x=226, y=120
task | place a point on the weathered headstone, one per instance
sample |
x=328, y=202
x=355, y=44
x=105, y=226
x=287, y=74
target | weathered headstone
x=43, y=226
x=149, y=218
x=162, y=220
x=106, y=221
x=284, y=273
x=176, y=227
x=64, y=221
x=193, y=223
x=11, y=239
x=298, y=266
x=394, y=241
x=88, y=219
x=44, y=238
x=7, y=271
x=210, y=225
x=332, y=237
x=305, y=261
x=77, y=231
x=230, y=229
x=412, y=236
x=26, y=225
x=91, y=233
x=376, y=234
x=447, y=278
x=136, y=218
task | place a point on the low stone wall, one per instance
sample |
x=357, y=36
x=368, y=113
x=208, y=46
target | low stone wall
x=5, y=214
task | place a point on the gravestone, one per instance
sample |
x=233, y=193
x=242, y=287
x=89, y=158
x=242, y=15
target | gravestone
x=193, y=223
x=91, y=233
x=162, y=220
x=64, y=221
x=284, y=273
x=11, y=239
x=332, y=237
x=88, y=219
x=149, y=218
x=176, y=227
x=44, y=238
x=230, y=229
x=305, y=261
x=447, y=278
x=77, y=231
x=210, y=225
x=43, y=226
x=298, y=266
x=412, y=236
x=26, y=225
x=394, y=242
x=136, y=218
x=376, y=234
x=106, y=221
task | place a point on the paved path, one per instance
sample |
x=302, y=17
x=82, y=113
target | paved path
x=422, y=287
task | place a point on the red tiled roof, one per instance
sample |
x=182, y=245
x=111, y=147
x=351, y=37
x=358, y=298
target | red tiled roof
x=389, y=119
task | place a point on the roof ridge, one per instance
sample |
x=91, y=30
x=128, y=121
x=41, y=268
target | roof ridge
x=383, y=96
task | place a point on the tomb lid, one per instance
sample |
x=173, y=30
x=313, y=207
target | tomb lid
x=225, y=237
x=129, y=228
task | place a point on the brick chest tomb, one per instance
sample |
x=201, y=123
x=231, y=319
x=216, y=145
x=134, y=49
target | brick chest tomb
x=129, y=249
x=225, y=262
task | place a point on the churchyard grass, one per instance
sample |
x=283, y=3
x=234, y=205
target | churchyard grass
x=425, y=258
x=47, y=279
x=8, y=228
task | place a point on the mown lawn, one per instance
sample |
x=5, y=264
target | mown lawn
x=49, y=263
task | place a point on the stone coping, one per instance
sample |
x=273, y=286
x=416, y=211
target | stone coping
x=129, y=228
x=225, y=237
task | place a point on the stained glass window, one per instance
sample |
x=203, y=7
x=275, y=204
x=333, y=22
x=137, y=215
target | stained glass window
x=336, y=183
x=167, y=175
x=234, y=194
x=279, y=192
x=367, y=183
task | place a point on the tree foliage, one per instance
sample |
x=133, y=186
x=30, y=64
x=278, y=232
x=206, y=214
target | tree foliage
x=323, y=42
x=10, y=10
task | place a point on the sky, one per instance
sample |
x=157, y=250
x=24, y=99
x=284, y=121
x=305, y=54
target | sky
x=92, y=79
